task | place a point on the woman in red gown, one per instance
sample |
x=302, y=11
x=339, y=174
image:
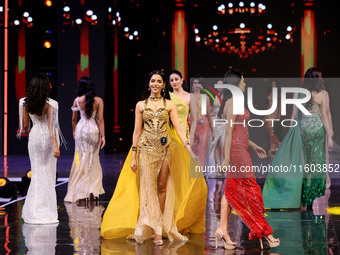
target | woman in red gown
x=242, y=193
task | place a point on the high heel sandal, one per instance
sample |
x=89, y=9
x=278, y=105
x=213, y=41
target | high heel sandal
x=271, y=242
x=227, y=243
x=158, y=242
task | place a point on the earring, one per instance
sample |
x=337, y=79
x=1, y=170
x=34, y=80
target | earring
x=148, y=88
x=163, y=90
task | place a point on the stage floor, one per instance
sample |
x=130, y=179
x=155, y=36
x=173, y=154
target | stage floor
x=78, y=232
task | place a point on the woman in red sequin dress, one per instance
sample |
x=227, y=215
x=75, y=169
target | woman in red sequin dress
x=242, y=193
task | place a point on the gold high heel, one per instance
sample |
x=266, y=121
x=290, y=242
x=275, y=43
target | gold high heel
x=271, y=242
x=227, y=243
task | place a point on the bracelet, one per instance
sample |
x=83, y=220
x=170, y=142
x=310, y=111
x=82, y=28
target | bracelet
x=134, y=148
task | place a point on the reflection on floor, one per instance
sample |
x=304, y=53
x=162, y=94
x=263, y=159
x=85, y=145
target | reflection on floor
x=315, y=231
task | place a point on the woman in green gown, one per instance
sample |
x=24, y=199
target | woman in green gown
x=304, y=145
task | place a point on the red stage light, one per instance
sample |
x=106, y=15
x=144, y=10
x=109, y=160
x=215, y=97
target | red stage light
x=48, y=3
x=47, y=44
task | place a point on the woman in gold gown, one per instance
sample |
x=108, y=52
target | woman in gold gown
x=144, y=203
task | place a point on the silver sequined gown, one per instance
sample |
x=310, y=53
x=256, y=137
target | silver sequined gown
x=86, y=172
x=41, y=202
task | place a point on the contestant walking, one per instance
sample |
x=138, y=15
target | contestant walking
x=43, y=148
x=242, y=193
x=151, y=180
x=89, y=134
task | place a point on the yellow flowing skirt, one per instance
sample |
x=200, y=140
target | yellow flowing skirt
x=190, y=196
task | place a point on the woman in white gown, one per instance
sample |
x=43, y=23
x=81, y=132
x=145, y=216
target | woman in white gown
x=43, y=148
x=89, y=133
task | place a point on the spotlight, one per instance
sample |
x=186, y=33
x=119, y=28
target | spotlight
x=48, y=3
x=16, y=22
x=130, y=37
x=94, y=17
x=1, y=8
x=26, y=14
x=135, y=33
x=196, y=31
x=47, y=44
x=79, y=21
x=215, y=27
x=230, y=5
x=113, y=22
x=66, y=9
x=269, y=26
x=198, y=39
x=89, y=13
x=241, y=4
x=252, y=4
x=289, y=28
x=110, y=9
x=117, y=14
x=288, y=37
x=242, y=25
x=29, y=19
x=7, y=189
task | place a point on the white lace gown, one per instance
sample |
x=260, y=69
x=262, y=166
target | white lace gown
x=41, y=201
x=86, y=172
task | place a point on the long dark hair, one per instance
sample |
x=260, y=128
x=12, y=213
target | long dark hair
x=184, y=85
x=36, y=94
x=313, y=82
x=147, y=91
x=86, y=87
x=232, y=77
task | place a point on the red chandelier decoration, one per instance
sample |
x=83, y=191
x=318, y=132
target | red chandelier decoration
x=244, y=38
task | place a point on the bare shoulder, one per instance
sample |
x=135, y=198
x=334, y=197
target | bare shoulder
x=99, y=100
x=74, y=103
x=170, y=104
x=139, y=105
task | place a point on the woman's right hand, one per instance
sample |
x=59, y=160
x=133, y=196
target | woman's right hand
x=133, y=165
x=330, y=143
x=56, y=152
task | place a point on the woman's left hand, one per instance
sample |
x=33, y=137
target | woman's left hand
x=261, y=153
x=212, y=136
x=102, y=142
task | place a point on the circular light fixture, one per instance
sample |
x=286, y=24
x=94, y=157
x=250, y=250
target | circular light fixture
x=230, y=5
x=29, y=19
x=288, y=37
x=47, y=44
x=66, y=9
x=16, y=22
x=89, y=13
x=48, y=3
x=241, y=4
x=135, y=33
x=130, y=37
x=94, y=17
x=126, y=29
x=26, y=14
x=269, y=26
x=198, y=39
x=242, y=25
x=196, y=31
x=79, y=21
x=289, y=28
x=215, y=27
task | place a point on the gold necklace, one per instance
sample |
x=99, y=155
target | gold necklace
x=155, y=98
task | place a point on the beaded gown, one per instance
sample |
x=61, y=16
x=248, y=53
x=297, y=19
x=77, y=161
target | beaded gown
x=304, y=145
x=185, y=196
x=40, y=205
x=86, y=172
x=241, y=190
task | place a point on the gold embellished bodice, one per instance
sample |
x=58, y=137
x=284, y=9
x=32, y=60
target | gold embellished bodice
x=154, y=127
x=183, y=112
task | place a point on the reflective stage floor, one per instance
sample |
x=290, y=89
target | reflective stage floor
x=314, y=231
